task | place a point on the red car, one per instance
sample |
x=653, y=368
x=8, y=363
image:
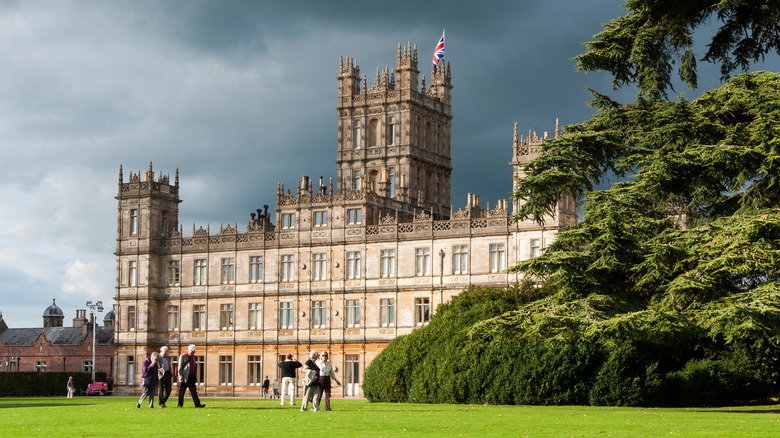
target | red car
x=97, y=388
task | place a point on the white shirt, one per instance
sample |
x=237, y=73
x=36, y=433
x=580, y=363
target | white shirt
x=326, y=369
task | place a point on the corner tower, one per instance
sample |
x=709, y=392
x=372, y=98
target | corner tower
x=525, y=150
x=147, y=215
x=394, y=137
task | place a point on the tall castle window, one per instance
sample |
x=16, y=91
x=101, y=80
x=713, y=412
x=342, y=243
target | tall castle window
x=255, y=269
x=173, y=318
x=164, y=222
x=132, y=272
x=285, y=315
x=255, y=373
x=391, y=183
x=356, y=135
x=320, y=267
x=133, y=222
x=130, y=318
x=173, y=273
x=423, y=261
x=318, y=314
x=497, y=257
x=226, y=316
x=353, y=313
x=288, y=267
x=355, y=179
x=200, y=272
x=460, y=259
x=228, y=270
x=199, y=317
x=353, y=264
x=387, y=312
x=255, y=316
x=226, y=370
x=391, y=131
x=536, y=248
x=387, y=263
x=422, y=310
x=373, y=132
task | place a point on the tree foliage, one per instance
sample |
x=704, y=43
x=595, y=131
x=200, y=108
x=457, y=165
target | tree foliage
x=698, y=218
x=643, y=46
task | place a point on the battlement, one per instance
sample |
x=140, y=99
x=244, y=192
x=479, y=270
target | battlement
x=136, y=184
x=526, y=149
x=403, y=77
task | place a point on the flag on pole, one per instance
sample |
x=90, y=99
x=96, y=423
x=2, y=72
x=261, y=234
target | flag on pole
x=438, y=53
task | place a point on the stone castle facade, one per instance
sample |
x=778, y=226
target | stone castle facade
x=344, y=268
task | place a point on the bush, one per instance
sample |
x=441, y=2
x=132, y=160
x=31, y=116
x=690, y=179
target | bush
x=422, y=366
x=738, y=375
x=628, y=377
x=627, y=359
x=40, y=384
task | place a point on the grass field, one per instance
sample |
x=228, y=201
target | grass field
x=118, y=416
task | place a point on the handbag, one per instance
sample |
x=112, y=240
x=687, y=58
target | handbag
x=311, y=377
x=146, y=381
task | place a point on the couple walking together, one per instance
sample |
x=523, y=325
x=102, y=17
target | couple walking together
x=156, y=370
x=317, y=376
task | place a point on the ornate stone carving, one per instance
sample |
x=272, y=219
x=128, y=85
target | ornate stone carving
x=387, y=219
x=423, y=216
x=441, y=226
x=461, y=214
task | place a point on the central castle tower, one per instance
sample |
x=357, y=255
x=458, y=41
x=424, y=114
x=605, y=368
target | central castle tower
x=394, y=138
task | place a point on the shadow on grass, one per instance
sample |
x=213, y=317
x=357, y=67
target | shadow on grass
x=41, y=404
x=739, y=411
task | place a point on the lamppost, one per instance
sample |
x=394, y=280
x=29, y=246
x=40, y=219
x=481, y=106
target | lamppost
x=92, y=308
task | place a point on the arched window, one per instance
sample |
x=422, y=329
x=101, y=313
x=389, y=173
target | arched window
x=373, y=176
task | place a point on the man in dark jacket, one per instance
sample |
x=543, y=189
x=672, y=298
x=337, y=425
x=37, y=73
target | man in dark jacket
x=188, y=377
x=165, y=373
x=288, y=378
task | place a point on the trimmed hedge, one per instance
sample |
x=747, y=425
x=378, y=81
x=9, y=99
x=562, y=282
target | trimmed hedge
x=444, y=363
x=48, y=383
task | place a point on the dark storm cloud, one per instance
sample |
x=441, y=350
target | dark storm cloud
x=240, y=95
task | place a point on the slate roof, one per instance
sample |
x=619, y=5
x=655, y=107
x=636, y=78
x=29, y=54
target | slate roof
x=55, y=335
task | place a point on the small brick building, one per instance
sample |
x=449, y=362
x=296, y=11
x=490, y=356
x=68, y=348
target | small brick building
x=57, y=348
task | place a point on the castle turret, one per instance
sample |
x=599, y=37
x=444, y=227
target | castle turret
x=394, y=139
x=525, y=150
x=147, y=216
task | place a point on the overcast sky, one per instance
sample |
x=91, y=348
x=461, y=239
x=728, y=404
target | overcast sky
x=241, y=95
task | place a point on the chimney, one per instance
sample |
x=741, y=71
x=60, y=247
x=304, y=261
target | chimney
x=81, y=319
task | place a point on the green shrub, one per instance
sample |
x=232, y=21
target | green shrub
x=739, y=374
x=628, y=377
x=40, y=384
x=422, y=365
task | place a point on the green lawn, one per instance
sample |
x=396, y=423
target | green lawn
x=118, y=416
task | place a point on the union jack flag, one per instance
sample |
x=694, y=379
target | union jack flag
x=438, y=53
